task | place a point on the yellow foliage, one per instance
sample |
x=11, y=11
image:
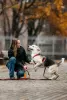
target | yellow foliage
x=58, y=19
x=59, y=22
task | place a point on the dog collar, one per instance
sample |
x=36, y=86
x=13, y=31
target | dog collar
x=36, y=55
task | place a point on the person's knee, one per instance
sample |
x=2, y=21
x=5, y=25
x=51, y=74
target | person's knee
x=13, y=59
x=20, y=73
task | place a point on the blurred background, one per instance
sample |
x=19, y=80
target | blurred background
x=41, y=22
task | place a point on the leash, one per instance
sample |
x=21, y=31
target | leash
x=6, y=79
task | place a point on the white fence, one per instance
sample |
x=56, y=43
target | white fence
x=51, y=46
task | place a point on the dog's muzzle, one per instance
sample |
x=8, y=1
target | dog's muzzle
x=28, y=48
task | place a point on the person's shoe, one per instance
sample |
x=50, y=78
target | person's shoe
x=12, y=78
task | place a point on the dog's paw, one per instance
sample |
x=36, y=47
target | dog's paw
x=54, y=78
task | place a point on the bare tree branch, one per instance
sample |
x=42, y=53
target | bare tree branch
x=28, y=6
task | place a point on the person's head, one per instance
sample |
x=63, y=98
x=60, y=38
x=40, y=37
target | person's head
x=18, y=44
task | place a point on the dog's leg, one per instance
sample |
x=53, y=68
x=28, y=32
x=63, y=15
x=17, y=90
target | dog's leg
x=53, y=76
x=56, y=75
x=37, y=65
x=44, y=74
x=44, y=71
x=53, y=71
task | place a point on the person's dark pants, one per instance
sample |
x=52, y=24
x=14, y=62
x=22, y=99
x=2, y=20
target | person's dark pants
x=11, y=66
x=20, y=73
x=19, y=69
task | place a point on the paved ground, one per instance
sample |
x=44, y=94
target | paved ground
x=34, y=89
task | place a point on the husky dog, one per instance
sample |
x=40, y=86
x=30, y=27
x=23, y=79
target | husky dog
x=44, y=61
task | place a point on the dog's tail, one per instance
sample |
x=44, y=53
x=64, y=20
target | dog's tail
x=59, y=63
x=62, y=61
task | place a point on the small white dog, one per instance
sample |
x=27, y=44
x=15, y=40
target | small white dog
x=46, y=62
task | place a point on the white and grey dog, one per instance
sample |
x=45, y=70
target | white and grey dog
x=46, y=62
